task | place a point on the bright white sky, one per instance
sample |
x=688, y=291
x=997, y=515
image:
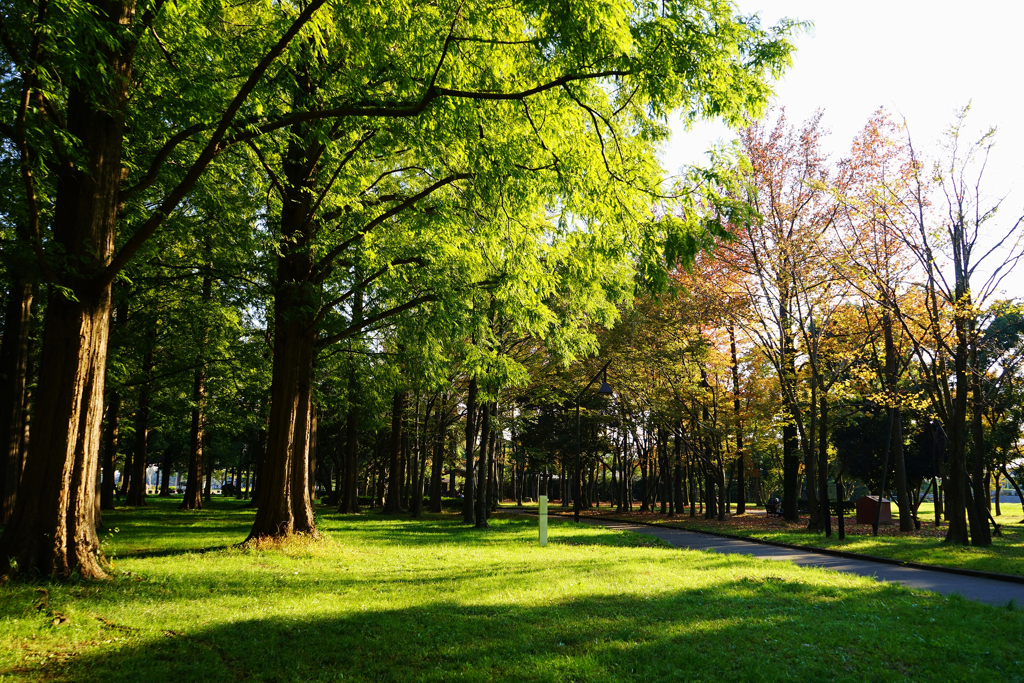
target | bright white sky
x=920, y=59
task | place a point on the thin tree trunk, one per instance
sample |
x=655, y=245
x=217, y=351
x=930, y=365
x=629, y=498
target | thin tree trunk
x=483, y=468
x=998, y=483
x=14, y=367
x=110, y=451
x=393, y=502
x=981, y=535
x=137, y=486
x=826, y=512
x=165, y=474
x=741, y=489
x=208, y=490
x=258, y=456
x=437, y=465
x=1020, y=496
x=193, y=499
x=810, y=450
x=896, y=437
x=469, y=501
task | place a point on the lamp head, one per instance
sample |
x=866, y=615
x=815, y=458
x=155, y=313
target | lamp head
x=605, y=389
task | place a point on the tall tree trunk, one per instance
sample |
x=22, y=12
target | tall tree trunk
x=14, y=366
x=663, y=482
x=437, y=465
x=285, y=505
x=110, y=450
x=312, y=449
x=208, y=490
x=483, y=468
x=741, y=489
x=981, y=535
x=193, y=488
x=137, y=485
x=165, y=474
x=955, y=487
x=809, y=447
x=469, y=501
x=421, y=461
x=723, y=489
x=349, y=494
x=896, y=437
x=679, y=493
x=350, y=497
x=790, y=460
x=52, y=528
x=393, y=502
x=285, y=470
x=258, y=457
x=826, y=512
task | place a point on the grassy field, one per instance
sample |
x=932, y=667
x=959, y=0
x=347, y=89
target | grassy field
x=393, y=599
x=1005, y=555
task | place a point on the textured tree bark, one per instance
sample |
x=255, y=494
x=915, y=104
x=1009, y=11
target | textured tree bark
x=52, y=528
x=14, y=362
x=285, y=471
x=285, y=506
x=193, y=499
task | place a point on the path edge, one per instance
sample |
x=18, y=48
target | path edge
x=994, y=576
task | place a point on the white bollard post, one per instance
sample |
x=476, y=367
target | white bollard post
x=543, y=500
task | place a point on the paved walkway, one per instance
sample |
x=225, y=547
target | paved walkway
x=989, y=591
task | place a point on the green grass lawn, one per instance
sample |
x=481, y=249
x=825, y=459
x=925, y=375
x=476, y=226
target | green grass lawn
x=393, y=599
x=1005, y=555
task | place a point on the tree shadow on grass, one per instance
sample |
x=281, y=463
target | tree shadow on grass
x=751, y=629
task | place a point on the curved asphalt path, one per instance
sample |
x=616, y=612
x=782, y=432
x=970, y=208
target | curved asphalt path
x=989, y=591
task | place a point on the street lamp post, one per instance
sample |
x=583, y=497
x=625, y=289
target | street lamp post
x=604, y=390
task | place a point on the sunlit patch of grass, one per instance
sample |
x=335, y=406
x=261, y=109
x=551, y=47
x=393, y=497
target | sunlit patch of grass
x=392, y=599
